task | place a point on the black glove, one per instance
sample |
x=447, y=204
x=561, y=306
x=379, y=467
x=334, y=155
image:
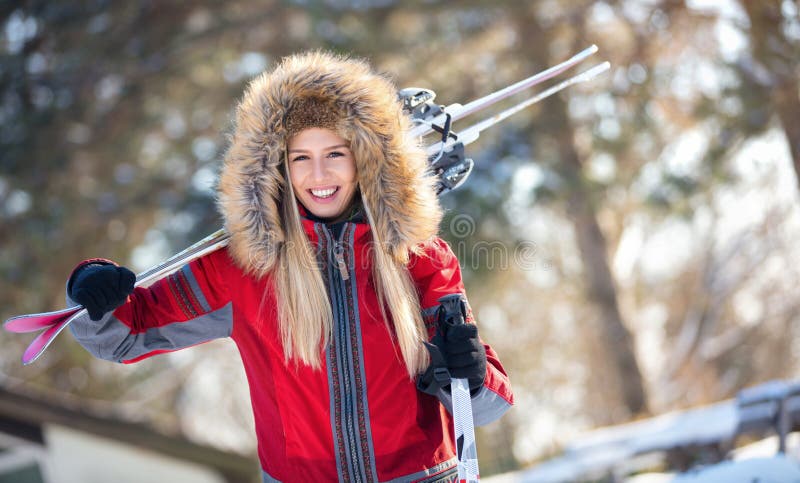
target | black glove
x=465, y=355
x=101, y=288
x=455, y=352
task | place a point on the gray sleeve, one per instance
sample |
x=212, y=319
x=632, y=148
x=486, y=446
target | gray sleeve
x=487, y=406
x=111, y=339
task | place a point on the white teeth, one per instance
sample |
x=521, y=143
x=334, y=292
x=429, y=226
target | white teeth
x=323, y=193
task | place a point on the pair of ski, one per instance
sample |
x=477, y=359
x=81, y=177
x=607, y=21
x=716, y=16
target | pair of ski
x=428, y=119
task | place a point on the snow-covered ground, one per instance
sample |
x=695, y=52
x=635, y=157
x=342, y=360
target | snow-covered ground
x=766, y=469
x=636, y=447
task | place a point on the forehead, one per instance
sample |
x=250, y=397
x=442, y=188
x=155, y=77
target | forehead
x=315, y=138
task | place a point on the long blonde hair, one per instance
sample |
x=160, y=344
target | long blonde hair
x=304, y=310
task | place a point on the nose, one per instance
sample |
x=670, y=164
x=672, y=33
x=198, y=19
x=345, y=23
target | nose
x=318, y=168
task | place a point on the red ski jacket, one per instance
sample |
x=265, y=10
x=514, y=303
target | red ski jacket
x=359, y=417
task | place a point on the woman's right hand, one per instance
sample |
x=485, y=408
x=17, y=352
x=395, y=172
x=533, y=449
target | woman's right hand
x=101, y=288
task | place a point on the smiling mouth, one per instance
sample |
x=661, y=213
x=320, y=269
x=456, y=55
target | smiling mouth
x=323, y=194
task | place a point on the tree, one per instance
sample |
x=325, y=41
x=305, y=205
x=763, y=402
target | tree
x=775, y=47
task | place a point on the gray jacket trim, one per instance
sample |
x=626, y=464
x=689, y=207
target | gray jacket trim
x=266, y=478
x=487, y=405
x=439, y=473
x=110, y=339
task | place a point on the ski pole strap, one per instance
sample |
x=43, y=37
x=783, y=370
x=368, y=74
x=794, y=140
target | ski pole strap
x=436, y=376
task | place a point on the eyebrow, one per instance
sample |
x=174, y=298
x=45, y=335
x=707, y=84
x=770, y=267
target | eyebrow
x=324, y=149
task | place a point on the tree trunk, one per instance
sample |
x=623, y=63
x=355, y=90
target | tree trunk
x=615, y=341
x=772, y=49
x=622, y=380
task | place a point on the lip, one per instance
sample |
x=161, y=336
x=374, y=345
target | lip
x=327, y=200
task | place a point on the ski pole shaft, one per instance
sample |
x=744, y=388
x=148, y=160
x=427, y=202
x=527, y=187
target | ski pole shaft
x=463, y=424
x=465, y=429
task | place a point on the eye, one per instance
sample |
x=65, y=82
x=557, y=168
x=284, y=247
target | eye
x=300, y=157
x=335, y=154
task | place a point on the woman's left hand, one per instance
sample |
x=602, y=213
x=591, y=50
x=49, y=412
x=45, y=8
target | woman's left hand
x=459, y=355
x=464, y=353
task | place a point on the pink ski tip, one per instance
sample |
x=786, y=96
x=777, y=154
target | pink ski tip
x=40, y=343
x=34, y=322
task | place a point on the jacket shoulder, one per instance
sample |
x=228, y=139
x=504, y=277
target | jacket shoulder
x=431, y=255
x=435, y=270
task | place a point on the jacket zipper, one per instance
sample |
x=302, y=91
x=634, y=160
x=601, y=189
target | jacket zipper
x=351, y=432
x=338, y=253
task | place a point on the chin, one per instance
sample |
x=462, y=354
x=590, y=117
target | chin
x=326, y=213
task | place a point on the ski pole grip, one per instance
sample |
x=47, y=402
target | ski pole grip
x=454, y=312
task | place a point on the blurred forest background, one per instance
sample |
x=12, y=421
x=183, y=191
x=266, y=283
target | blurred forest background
x=627, y=244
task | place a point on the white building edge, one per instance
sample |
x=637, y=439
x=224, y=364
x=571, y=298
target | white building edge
x=44, y=442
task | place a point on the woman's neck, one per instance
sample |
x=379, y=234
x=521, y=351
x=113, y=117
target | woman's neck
x=351, y=212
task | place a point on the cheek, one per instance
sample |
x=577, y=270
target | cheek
x=351, y=173
x=295, y=176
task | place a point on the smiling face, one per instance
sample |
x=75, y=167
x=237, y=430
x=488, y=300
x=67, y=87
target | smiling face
x=322, y=171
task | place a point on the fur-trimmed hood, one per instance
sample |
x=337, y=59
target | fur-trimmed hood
x=392, y=167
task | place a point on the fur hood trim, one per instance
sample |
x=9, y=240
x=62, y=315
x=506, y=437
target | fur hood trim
x=392, y=167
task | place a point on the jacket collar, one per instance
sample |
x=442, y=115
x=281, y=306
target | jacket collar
x=310, y=221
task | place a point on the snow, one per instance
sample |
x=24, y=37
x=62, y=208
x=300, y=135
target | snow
x=631, y=447
x=767, y=391
x=599, y=451
x=778, y=469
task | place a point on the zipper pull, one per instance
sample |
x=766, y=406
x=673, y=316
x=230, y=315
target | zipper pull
x=338, y=253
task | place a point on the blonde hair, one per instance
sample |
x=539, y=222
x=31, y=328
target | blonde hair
x=304, y=310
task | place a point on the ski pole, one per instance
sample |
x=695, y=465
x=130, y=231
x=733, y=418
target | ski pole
x=463, y=425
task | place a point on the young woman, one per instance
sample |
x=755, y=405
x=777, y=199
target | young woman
x=329, y=286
